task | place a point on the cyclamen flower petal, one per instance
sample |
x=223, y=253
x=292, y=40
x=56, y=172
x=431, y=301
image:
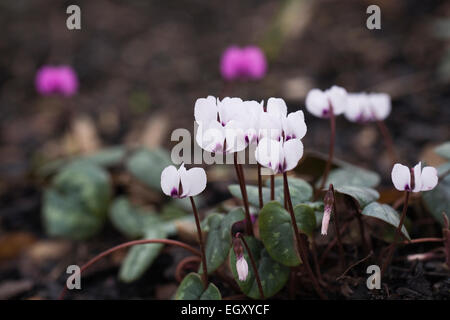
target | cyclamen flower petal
x=294, y=125
x=325, y=221
x=242, y=268
x=277, y=107
x=380, y=105
x=56, y=80
x=279, y=156
x=424, y=179
x=318, y=102
x=206, y=109
x=247, y=63
x=183, y=183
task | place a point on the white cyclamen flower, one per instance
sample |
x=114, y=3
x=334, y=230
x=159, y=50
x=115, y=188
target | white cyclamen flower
x=221, y=124
x=318, y=102
x=242, y=268
x=183, y=183
x=424, y=179
x=363, y=107
x=278, y=155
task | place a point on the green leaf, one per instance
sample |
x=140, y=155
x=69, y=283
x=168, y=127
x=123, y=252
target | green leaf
x=191, y=288
x=300, y=191
x=218, y=243
x=443, y=150
x=140, y=257
x=131, y=221
x=272, y=274
x=362, y=195
x=76, y=204
x=252, y=193
x=385, y=213
x=277, y=234
x=147, y=165
x=437, y=200
x=351, y=176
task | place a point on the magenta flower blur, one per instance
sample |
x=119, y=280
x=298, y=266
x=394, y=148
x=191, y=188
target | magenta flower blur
x=243, y=63
x=56, y=80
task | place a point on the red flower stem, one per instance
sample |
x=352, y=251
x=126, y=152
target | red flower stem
x=331, y=150
x=301, y=246
x=337, y=230
x=241, y=178
x=254, y=267
x=261, y=201
x=316, y=260
x=387, y=140
x=423, y=240
x=330, y=246
x=388, y=259
x=272, y=187
x=129, y=244
x=202, y=246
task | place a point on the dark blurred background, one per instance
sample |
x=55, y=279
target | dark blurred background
x=142, y=64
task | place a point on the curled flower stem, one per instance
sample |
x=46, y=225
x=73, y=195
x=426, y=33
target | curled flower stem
x=200, y=241
x=301, y=246
x=388, y=259
x=337, y=230
x=261, y=202
x=387, y=140
x=254, y=267
x=182, y=264
x=331, y=150
x=272, y=187
x=241, y=178
x=129, y=244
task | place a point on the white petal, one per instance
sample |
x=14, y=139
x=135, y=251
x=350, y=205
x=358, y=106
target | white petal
x=211, y=137
x=269, y=154
x=205, y=109
x=235, y=132
x=355, y=108
x=380, y=105
x=269, y=126
x=170, y=181
x=293, y=152
x=242, y=268
x=401, y=177
x=277, y=107
x=295, y=126
x=194, y=180
x=317, y=103
x=417, y=177
x=429, y=178
x=338, y=98
x=230, y=109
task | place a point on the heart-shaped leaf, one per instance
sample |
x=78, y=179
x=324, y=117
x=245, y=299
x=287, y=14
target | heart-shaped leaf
x=351, y=176
x=75, y=205
x=385, y=213
x=437, y=200
x=300, y=191
x=131, y=221
x=277, y=234
x=191, y=288
x=218, y=242
x=147, y=165
x=272, y=274
x=443, y=150
x=362, y=195
x=140, y=257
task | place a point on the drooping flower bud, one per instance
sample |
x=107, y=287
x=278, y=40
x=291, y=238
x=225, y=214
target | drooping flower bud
x=328, y=202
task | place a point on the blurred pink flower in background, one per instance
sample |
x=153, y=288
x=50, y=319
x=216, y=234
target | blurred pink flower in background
x=243, y=63
x=56, y=80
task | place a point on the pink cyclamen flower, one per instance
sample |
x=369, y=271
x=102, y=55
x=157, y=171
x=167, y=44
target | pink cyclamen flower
x=183, y=183
x=318, y=102
x=424, y=179
x=56, y=80
x=243, y=63
x=279, y=156
x=242, y=268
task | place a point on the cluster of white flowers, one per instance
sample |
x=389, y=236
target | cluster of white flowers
x=231, y=124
